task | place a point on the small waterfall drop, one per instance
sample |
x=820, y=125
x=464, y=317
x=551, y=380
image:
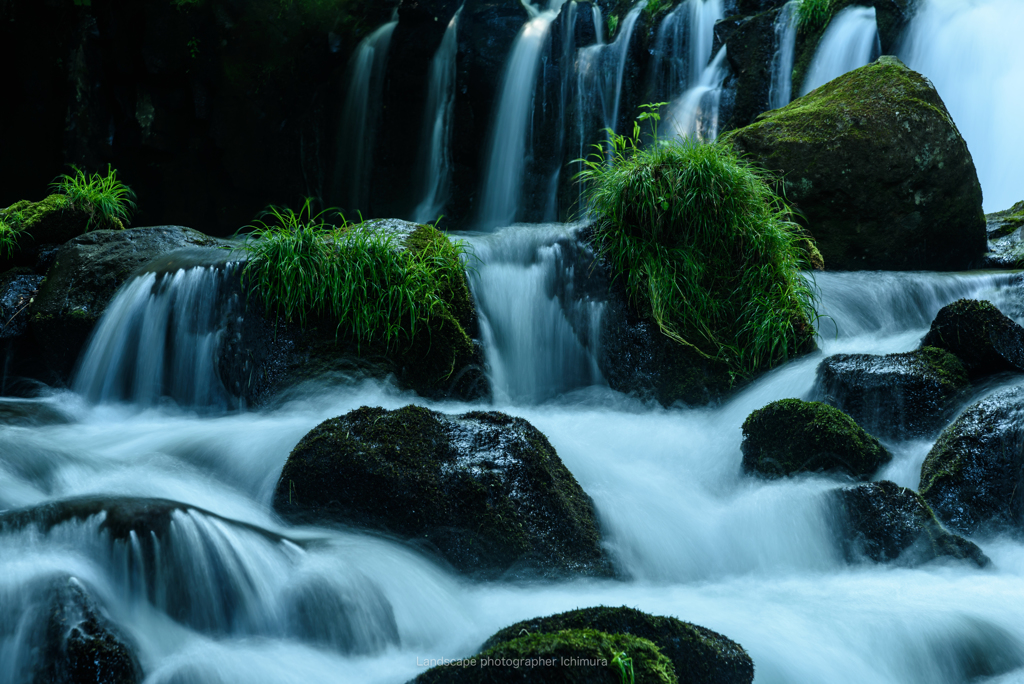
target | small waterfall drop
x=540, y=335
x=357, y=129
x=973, y=53
x=435, y=154
x=503, y=177
x=695, y=113
x=159, y=338
x=850, y=41
x=781, y=89
x=683, y=47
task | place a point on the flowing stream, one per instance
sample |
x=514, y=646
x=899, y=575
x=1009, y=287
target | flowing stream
x=222, y=591
x=849, y=42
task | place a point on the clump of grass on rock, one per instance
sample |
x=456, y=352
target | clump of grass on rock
x=107, y=201
x=705, y=249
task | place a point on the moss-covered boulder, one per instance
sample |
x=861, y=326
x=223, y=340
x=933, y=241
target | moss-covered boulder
x=265, y=353
x=973, y=477
x=484, y=489
x=917, y=208
x=886, y=523
x=699, y=655
x=79, y=643
x=906, y=395
x=980, y=335
x=1004, y=236
x=791, y=436
x=574, y=656
x=87, y=272
x=38, y=225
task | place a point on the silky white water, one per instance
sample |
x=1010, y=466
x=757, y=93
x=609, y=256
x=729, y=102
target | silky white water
x=849, y=42
x=973, y=53
x=780, y=90
x=692, y=536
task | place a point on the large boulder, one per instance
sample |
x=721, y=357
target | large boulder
x=699, y=655
x=912, y=394
x=791, y=436
x=886, y=523
x=973, y=477
x=87, y=272
x=875, y=166
x=484, y=489
x=980, y=335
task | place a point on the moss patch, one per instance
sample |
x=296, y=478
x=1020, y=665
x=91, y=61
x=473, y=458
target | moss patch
x=980, y=335
x=791, y=436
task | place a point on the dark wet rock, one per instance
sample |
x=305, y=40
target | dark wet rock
x=973, y=477
x=886, y=523
x=30, y=413
x=17, y=288
x=912, y=394
x=486, y=490
x=918, y=209
x=87, y=272
x=81, y=644
x=1004, y=235
x=984, y=339
x=751, y=44
x=572, y=656
x=791, y=436
x=263, y=354
x=699, y=655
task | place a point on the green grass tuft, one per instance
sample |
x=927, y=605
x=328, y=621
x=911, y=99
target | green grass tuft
x=814, y=14
x=359, y=277
x=705, y=246
x=108, y=202
x=9, y=229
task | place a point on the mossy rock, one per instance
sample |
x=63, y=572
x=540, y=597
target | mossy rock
x=484, y=489
x=1002, y=223
x=921, y=209
x=791, y=436
x=51, y=221
x=885, y=523
x=573, y=656
x=1005, y=239
x=980, y=335
x=973, y=477
x=85, y=276
x=699, y=655
x=906, y=395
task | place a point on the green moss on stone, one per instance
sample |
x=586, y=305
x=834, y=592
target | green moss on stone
x=790, y=436
x=1002, y=223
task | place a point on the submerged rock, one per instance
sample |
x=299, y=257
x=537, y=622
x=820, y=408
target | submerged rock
x=87, y=272
x=973, y=477
x=486, y=490
x=791, y=436
x=904, y=395
x=984, y=339
x=919, y=209
x=699, y=655
x=886, y=523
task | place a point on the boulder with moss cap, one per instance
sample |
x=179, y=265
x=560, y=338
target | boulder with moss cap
x=973, y=477
x=912, y=394
x=699, y=655
x=877, y=169
x=1006, y=244
x=980, y=335
x=47, y=223
x=485, y=490
x=791, y=436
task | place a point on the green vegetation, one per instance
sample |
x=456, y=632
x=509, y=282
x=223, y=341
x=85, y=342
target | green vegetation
x=10, y=227
x=108, y=202
x=705, y=247
x=357, y=276
x=814, y=14
x=623, y=664
x=655, y=6
x=613, y=25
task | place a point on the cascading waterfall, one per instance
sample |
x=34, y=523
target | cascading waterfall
x=850, y=41
x=540, y=338
x=357, y=128
x=780, y=90
x=973, y=53
x=682, y=47
x=159, y=338
x=435, y=153
x=695, y=113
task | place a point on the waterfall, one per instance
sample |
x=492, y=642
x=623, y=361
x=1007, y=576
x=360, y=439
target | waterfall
x=159, y=337
x=540, y=334
x=435, y=154
x=780, y=90
x=973, y=53
x=695, y=113
x=850, y=41
x=503, y=177
x=357, y=128
x=683, y=46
